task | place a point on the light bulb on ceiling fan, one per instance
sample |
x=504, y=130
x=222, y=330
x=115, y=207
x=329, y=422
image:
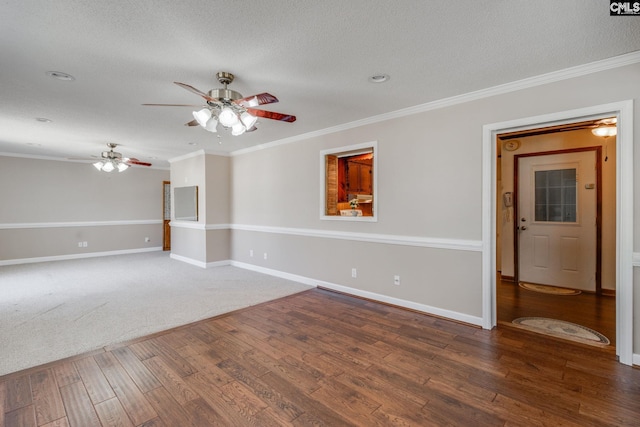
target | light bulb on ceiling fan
x=202, y=116
x=227, y=117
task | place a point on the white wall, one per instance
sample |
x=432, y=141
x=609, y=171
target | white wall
x=206, y=241
x=429, y=229
x=48, y=206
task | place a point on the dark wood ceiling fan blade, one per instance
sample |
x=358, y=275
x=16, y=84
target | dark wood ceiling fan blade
x=174, y=105
x=132, y=161
x=272, y=115
x=192, y=123
x=196, y=91
x=255, y=100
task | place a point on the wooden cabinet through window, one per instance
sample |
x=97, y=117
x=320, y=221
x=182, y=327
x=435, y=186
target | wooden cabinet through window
x=358, y=173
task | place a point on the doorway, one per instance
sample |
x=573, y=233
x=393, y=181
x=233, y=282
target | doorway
x=166, y=215
x=623, y=245
x=556, y=234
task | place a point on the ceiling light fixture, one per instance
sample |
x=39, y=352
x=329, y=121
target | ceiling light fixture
x=605, y=131
x=109, y=165
x=606, y=127
x=229, y=108
x=111, y=161
x=230, y=116
x=61, y=76
x=43, y=120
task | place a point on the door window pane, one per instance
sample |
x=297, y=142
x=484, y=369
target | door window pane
x=555, y=195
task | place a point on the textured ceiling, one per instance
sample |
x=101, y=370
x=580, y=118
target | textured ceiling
x=315, y=56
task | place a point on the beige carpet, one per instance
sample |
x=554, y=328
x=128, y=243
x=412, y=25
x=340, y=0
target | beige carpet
x=53, y=310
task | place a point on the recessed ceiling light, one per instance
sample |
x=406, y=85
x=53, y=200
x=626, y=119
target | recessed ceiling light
x=34, y=144
x=379, y=78
x=192, y=143
x=43, y=119
x=61, y=76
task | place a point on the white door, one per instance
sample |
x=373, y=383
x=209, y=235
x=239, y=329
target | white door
x=557, y=198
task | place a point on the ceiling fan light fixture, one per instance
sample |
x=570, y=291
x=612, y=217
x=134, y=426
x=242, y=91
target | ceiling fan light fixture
x=212, y=124
x=248, y=120
x=605, y=131
x=122, y=167
x=227, y=117
x=98, y=165
x=202, y=116
x=238, y=129
x=108, y=166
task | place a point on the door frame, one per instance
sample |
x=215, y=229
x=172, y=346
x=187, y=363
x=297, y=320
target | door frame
x=166, y=227
x=598, y=208
x=623, y=110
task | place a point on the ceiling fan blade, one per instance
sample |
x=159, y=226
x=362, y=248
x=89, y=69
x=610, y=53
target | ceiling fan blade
x=196, y=91
x=192, y=123
x=173, y=105
x=272, y=115
x=132, y=161
x=255, y=100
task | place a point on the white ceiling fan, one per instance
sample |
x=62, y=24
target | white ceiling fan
x=112, y=160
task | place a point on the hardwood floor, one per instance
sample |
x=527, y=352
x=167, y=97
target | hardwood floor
x=586, y=309
x=321, y=358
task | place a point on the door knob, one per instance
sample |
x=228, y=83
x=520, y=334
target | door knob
x=523, y=228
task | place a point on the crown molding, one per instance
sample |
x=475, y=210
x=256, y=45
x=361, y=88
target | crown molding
x=543, y=79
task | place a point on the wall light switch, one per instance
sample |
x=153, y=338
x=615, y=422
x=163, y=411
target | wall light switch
x=354, y=273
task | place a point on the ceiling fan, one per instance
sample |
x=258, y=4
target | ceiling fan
x=229, y=108
x=112, y=160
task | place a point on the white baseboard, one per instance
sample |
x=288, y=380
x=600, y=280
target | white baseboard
x=200, y=264
x=218, y=263
x=77, y=256
x=635, y=360
x=191, y=261
x=453, y=315
x=277, y=273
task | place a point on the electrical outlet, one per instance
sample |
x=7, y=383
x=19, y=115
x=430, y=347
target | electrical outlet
x=79, y=244
x=251, y=252
x=265, y=255
x=85, y=244
x=396, y=280
x=354, y=273
x=147, y=239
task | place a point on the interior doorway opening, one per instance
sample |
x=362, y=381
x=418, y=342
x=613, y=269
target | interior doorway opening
x=166, y=215
x=623, y=112
x=556, y=226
